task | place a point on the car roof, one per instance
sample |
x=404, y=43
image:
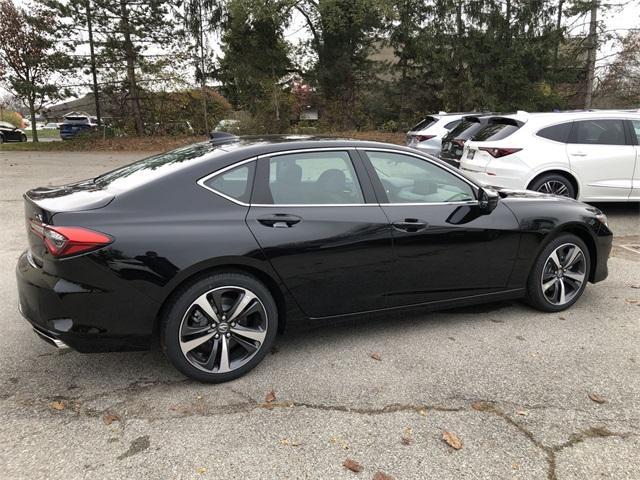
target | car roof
x=552, y=117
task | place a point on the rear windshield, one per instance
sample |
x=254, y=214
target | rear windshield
x=497, y=129
x=76, y=120
x=152, y=168
x=463, y=126
x=424, y=124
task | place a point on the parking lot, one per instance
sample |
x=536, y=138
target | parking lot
x=528, y=395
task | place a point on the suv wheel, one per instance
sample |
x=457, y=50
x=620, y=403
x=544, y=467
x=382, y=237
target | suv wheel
x=559, y=275
x=554, y=184
x=220, y=327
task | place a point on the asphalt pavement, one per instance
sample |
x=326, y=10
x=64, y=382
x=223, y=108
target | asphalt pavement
x=523, y=394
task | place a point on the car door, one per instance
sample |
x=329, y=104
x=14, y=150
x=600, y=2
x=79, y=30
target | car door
x=603, y=159
x=445, y=246
x=315, y=217
x=635, y=181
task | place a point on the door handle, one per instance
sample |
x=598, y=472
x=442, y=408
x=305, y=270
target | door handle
x=410, y=225
x=279, y=220
x=578, y=154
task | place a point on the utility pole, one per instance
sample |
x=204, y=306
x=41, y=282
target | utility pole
x=93, y=62
x=591, y=54
x=203, y=77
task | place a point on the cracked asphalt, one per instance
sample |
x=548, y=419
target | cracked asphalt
x=511, y=383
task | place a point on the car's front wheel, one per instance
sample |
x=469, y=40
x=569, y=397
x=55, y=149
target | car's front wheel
x=219, y=327
x=23, y=138
x=560, y=274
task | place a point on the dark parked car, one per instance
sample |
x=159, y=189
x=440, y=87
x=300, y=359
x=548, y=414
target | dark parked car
x=73, y=126
x=9, y=133
x=216, y=247
x=453, y=142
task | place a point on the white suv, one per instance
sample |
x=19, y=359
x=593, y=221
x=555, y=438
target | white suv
x=427, y=135
x=588, y=155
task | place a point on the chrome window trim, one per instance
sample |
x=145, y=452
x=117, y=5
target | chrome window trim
x=209, y=176
x=202, y=181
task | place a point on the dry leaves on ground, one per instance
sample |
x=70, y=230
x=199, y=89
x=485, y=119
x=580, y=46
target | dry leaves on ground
x=596, y=398
x=523, y=413
x=109, y=418
x=407, y=436
x=352, y=465
x=452, y=440
x=201, y=470
x=381, y=476
x=57, y=405
x=376, y=356
x=270, y=397
x=423, y=412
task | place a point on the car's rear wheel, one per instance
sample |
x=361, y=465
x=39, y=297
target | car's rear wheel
x=554, y=184
x=560, y=274
x=1, y=139
x=219, y=327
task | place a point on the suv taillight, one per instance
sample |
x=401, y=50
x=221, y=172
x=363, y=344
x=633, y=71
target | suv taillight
x=65, y=241
x=499, y=152
x=424, y=138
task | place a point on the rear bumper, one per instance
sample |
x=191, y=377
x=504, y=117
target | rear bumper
x=85, y=319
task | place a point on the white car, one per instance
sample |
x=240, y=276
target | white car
x=427, y=134
x=593, y=156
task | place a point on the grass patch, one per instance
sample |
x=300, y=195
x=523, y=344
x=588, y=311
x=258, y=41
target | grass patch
x=161, y=144
x=48, y=133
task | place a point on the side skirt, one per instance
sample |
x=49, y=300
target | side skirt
x=440, y=304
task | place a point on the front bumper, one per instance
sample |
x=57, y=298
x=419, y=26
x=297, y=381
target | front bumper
x=86, y=319
x=604, y=244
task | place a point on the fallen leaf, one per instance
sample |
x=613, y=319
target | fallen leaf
x=382, y=476
x=352, y=465
x=407, y=436
x=423, y=412
x=562, y=318
x=271, y=397
x=452, y=440
x=524, y=413
x=201, y=470
x=637, y=287
x=199, y=397
x=284, y=441
x=515, y=466
x=630, y=300
x=109, y=418
x=596, y=398
x=57, y=405
x=376, y=356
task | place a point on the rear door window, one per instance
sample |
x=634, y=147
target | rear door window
x=496, y=130
x=451, y=125
x=557, y=133
x=635, y=127
x=315, y=178
x=598, y=132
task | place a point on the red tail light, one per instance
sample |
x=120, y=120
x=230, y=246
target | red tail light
x=65, y=241
x=499, y=152
x=424, y=138
x=459, y=142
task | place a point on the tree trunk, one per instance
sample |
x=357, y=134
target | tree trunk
x=131, y=68
x=93, y=63
x=203, y=76
x=591, y=54
x=32, y=116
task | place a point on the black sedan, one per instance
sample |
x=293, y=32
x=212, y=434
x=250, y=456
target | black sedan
x=9, y=133
x=215, y=247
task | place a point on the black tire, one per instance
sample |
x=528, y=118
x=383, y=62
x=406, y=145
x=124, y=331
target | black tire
x=1, y=139
x=182, y=303
x=23, y=138
x=540, y=275
x=554, y=183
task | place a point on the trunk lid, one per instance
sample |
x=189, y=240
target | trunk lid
x=41, y=204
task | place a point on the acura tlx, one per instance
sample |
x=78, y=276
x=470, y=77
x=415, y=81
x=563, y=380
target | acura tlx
x=213, y=248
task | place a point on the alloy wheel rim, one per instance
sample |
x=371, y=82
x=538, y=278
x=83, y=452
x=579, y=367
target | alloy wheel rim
x=554, y=187
x=223, y=329
x=563, y=274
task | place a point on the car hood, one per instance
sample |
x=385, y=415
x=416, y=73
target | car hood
x=507, y=193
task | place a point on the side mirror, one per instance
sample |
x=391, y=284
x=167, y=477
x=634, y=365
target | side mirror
x=488, y=200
